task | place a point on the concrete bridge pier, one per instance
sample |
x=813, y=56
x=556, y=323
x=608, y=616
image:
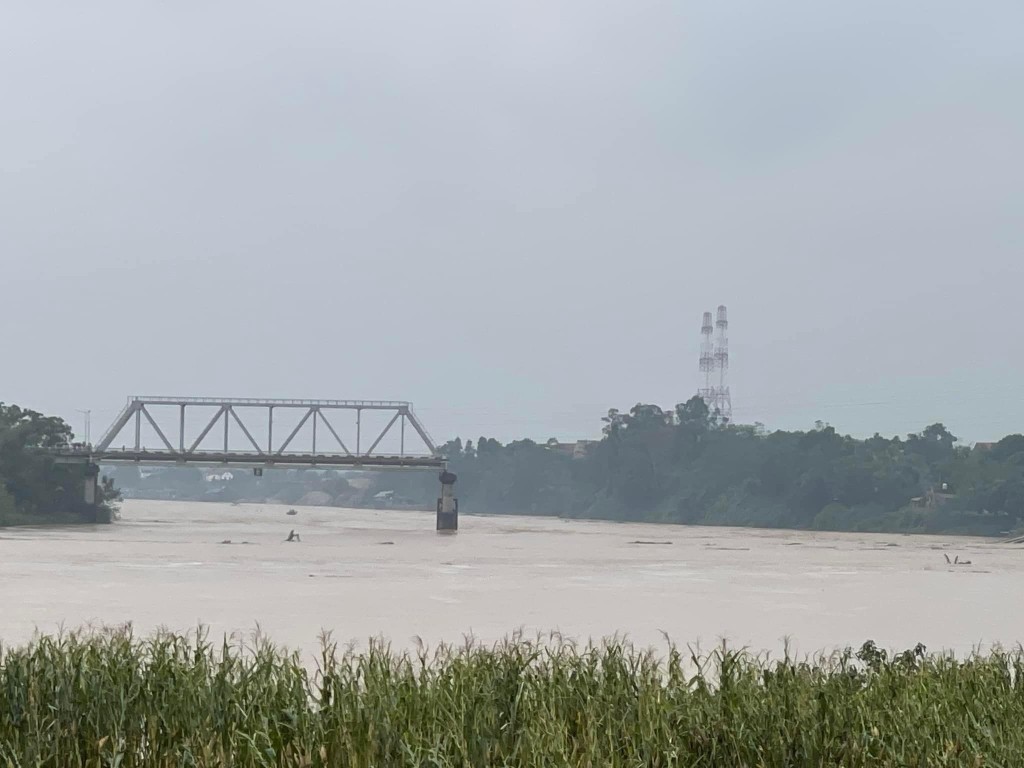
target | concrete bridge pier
x=447, y=505
x=92, y=472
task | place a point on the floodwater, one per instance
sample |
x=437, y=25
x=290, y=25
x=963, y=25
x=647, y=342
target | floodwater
x=366, y=573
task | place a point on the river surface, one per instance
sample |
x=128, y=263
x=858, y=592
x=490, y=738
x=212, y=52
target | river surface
x=366, y=573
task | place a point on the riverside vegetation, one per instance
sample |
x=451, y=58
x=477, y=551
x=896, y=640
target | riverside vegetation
x=687, y=466
x=33, y=487
x=109, y=699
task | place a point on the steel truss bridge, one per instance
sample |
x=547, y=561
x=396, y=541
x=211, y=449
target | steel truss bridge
x=229, y=426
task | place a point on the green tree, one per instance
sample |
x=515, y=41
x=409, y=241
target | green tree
x=34, y=484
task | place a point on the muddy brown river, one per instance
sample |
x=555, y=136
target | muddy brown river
x=365, y=573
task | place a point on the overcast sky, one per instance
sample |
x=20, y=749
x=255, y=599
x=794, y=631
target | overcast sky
x=513, y=214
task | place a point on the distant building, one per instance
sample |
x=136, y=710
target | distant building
x=931, y=499
x=575, y=450
x=566, y=448
x=581, y=448
x=984, y=446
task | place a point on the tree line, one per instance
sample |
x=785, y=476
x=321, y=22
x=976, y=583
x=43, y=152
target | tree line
x=686, y=465
x=34, y=488
x=680, y=465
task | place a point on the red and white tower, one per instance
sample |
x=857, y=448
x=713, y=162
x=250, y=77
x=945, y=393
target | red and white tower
x=724, y=399
x=714, y=356
x=707, y=359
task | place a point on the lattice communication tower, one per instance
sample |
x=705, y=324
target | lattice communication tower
x=714, y=356
x=707, y=359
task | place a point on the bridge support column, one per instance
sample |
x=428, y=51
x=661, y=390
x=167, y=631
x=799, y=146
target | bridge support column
x=92, y=472
x=447, y=505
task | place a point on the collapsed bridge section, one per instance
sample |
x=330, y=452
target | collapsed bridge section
x=262, y=433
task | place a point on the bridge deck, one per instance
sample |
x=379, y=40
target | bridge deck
x=249, y=459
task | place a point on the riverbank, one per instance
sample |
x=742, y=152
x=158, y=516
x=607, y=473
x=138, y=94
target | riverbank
x=17, y=519
x=115, y=699
x=35, y=489
x=14, y=518
x=912, y=522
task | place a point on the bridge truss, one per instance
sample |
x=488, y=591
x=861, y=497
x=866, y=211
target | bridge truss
x=167, y=421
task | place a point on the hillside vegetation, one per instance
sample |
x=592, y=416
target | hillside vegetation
x=686, y=466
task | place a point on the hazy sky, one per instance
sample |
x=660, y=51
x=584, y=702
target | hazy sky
x=514, y=213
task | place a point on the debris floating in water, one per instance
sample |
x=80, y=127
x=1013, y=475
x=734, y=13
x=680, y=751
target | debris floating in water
x=956, y=560
x=641, y=541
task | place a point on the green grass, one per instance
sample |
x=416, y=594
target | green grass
x=110, y=699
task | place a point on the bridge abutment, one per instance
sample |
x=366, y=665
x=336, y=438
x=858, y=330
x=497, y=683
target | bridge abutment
x=447, y=505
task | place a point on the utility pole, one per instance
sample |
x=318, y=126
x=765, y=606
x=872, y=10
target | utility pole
x=87, y=418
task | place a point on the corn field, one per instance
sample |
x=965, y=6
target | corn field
x=111, y=699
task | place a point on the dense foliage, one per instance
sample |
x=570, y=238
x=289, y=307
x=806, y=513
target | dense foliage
x=33, y=487
x=685, y=466
x=173, y=701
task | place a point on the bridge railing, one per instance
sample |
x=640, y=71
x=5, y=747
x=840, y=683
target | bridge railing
x=215, y=454
x=273, y=403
